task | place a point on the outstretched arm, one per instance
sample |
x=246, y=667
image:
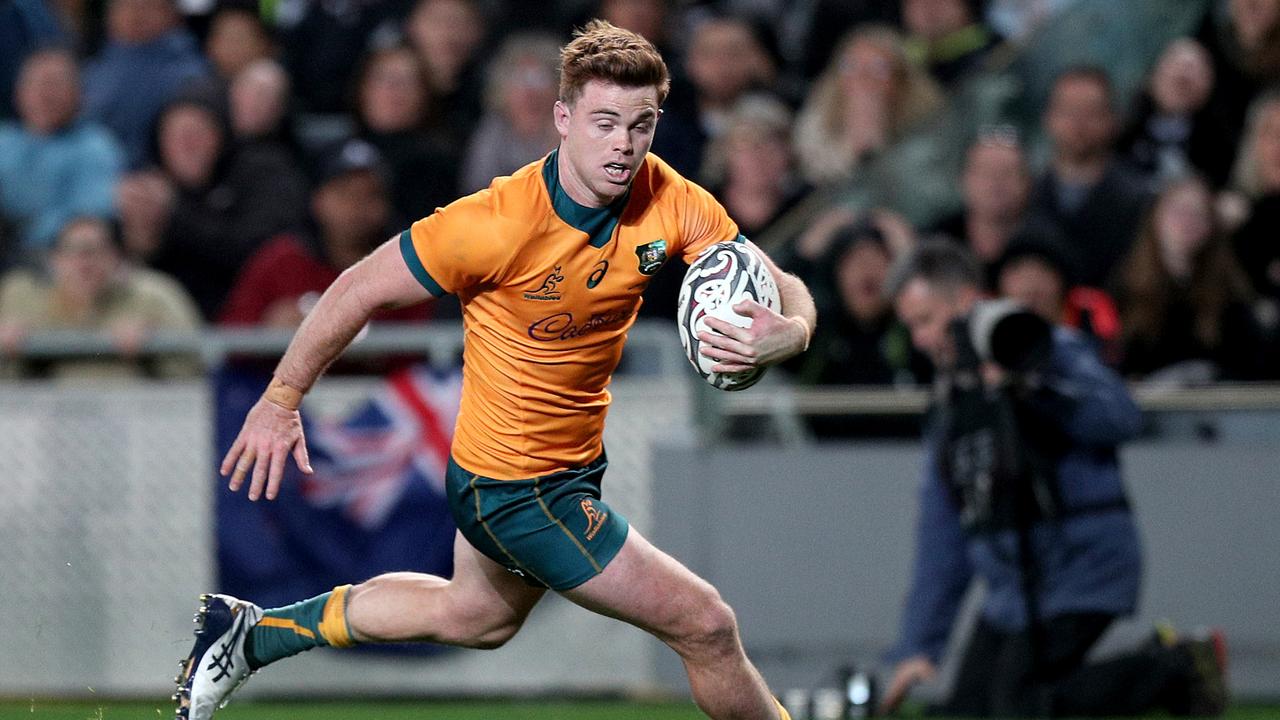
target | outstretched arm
x=273, y=429
x=772, y=337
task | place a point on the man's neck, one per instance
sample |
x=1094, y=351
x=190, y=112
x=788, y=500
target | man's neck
x=573, y=186
x=989, y=233
x=1081, y=171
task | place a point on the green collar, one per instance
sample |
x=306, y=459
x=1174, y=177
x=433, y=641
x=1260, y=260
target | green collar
x=597, y=223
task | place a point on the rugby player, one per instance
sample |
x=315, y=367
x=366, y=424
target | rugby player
x=548, y=264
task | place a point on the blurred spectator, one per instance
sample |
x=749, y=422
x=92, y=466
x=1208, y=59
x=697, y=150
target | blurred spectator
x=947, y=37
x=147, y=58
x=725, y=60
x=393, y=105
x=25, y=25
x=350, y=214
x=321, y=46
x=809, y=32
x=516, y=129
x=1038, y=270
x=1085, y=192
x=259, y=98
x=208, y=205
x=448, y=36
x=1185, y=302
x=53, y=167
x=1257, y=175
x=751, y=167
x=1173, y=128
x=237, y=38
x=88, y=286
x=858, y=340
x=1243, y=36
x=996, y=184
x=650, y=18
x=868, y=98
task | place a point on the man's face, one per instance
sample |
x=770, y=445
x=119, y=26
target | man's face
x=352, y=208
x=1037, y=285
x=724, y=60
x=84, y=260
x=996, y=181
x=604, y=135
x=927, y=311
x=48, y=92
x=1079, y=119
x=190, y=143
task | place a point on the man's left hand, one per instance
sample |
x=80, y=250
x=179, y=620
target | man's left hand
x=768, y=340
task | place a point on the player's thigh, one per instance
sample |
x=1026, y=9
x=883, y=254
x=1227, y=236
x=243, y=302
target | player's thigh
x=481, y=587
x=650, y=589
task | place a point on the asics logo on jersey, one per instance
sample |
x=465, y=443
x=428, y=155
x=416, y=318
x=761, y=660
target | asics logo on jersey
x=547, y=291
x=597, y=274
x=562, y=327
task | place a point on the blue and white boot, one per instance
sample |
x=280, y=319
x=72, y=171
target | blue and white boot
x=217, y=664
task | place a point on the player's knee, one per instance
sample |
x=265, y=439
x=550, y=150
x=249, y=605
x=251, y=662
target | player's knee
x=711, y=630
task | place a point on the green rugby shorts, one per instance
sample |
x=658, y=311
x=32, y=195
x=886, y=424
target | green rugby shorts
x=553, y=531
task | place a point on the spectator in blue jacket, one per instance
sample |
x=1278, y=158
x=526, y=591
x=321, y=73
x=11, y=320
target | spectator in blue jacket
x=25, y=25
x=147, y=58
x=1022, y=490
x=53, y=167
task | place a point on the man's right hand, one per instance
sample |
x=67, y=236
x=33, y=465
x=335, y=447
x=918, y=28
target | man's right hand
x=270, y=433
x=906, y=675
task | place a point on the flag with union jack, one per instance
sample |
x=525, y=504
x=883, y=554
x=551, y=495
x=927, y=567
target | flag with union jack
x=376, y=502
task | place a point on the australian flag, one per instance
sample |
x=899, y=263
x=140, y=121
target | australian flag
x=375, y=504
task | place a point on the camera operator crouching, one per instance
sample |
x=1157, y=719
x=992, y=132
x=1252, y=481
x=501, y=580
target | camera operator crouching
x=1022, y=490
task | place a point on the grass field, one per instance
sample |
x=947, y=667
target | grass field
x=406, y=710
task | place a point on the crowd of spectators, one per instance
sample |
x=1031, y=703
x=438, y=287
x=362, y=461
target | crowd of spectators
x=251, y=151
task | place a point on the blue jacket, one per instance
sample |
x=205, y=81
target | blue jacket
x=1088, y=562
x=45, y=180
x=24, y=26
x=126, y=86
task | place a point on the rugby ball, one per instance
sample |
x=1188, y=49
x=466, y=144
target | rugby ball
x=722, y=276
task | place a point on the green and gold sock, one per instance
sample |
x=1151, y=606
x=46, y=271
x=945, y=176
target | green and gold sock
x=289, y=630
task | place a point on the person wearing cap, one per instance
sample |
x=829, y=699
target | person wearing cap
x=207, y=205
x=349, y=213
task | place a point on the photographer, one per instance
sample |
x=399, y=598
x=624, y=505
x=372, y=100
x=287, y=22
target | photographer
x=1022, y=490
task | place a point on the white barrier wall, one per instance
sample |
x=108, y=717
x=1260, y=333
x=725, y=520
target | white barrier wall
x=106, y=539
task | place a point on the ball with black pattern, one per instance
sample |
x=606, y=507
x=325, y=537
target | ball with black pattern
x=722, y=276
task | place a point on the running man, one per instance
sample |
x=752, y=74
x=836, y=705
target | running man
x=549, y=265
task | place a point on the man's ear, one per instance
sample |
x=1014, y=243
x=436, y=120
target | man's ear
x=560, y=111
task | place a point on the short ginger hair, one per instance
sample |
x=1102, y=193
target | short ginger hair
x=605, y=52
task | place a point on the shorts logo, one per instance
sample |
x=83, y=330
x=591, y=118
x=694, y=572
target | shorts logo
x=651, y=256
x=595, y=518
x=597, y=274
x=547, y=291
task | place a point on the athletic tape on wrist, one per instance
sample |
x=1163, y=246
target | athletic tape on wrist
x=283, y=395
